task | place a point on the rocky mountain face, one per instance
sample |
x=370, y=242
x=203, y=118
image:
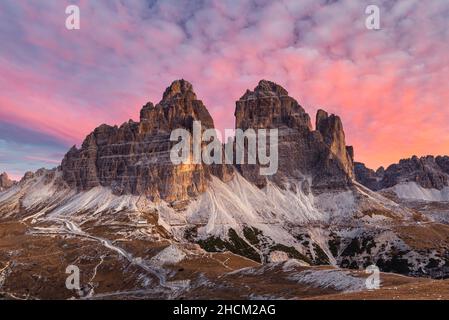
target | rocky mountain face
x=5, y=182
x=368, y=177
x=113, y=206
x=135, y=157
x=421, y=184
x=321, y=154
x=243, y=211
x=428, y=172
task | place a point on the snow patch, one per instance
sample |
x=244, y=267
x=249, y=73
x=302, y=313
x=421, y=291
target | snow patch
x=40, y=192
x=337, y=204
x=291, y=264
x=96, y=200
x=411, y=190
x=169, y=256
x=278, y=256
x=335, y=279
x=239, y=202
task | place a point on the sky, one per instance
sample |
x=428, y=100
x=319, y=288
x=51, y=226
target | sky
x=389, y=86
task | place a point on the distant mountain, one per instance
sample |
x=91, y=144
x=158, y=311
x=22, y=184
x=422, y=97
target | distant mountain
x=425, y=178
x=420, y=184
x=5, y=182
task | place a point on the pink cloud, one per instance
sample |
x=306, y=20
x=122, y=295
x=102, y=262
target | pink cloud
x=389, y=86
x=46, y=160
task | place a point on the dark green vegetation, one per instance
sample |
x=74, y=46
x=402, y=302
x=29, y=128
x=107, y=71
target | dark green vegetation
x=258, y=247
x=235, y=244
x=321, y=257
x=252, y=235
x=291, y=252
x=334, y=243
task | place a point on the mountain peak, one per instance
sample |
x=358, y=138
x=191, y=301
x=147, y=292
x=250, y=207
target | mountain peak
x=270, y=86
x=135, y=157
x=328, y=124
x=4, y=175
x=265, y=88
x=5, y=181
x=179, y=87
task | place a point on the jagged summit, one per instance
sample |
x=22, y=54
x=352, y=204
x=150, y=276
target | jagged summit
x=135, y=157
x=429, y=172
x=179, y=88
x=331, y=129
x=270, y=87
x=178, y=108
x=265, y=89
x=254, y=110
x=302, y=151
x=329, y=126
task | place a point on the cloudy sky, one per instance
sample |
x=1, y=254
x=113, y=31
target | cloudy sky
x=391, y=86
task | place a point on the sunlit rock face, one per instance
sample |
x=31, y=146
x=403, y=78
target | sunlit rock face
x=321, y=154
x=135, y=157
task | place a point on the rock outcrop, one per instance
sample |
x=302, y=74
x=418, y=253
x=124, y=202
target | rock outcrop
x=429, y=172
x=135, y=157
x=321, y=154
x=5, y=182
x=425, y=171
x=331, y=129
x=368, y=177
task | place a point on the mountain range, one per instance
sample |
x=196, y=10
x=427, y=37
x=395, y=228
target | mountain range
x=139, y=226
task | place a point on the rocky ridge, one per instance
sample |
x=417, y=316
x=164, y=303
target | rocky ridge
x=135, y=157
x=303, y=152
x=429, y=172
